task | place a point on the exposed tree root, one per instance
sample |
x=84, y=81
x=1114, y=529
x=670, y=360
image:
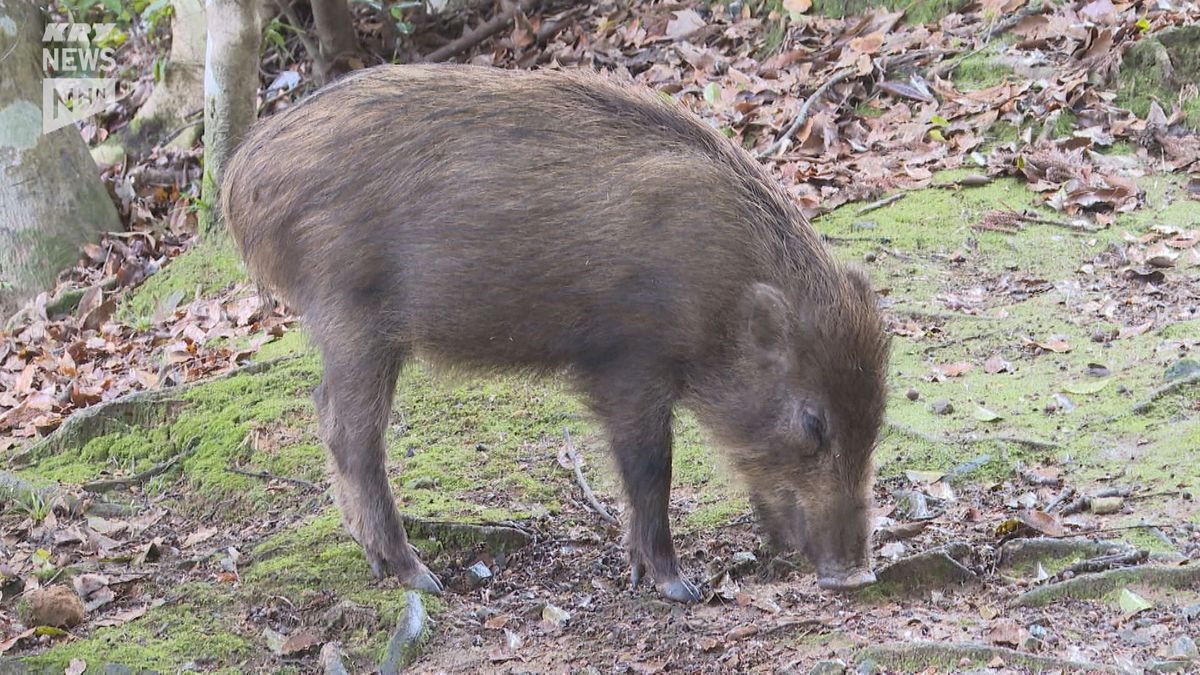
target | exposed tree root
x=495, y=537
x=1090, y=586
x=138, y=479
x=142, y=408
x=916, y=656
x=1168, y=388
x=1018, y=551
x=405, y=644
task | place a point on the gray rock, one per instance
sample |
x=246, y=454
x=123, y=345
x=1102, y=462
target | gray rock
x=1184, y=648
x=478, y=574
x=331, y=659
x=828, y=667
x=914, y=505
x=1181, y=369
x=941, y=407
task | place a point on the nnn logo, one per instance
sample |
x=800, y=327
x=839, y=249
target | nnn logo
x=75, y=91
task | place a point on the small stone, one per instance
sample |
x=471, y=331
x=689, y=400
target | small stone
x=481, y=447
x=828, y=667
x=867, y=667
x=1184, y=648
x=1181, y=369
x=332, y=658
x=478, y=574
x=941, y=407
x=913, y=505
x=422, y=483
x=56, y=606
x=555, y=616
x=1050, y=408
x=912, y=394
x=1106, y=505
x=744, y=558
x=869, y=256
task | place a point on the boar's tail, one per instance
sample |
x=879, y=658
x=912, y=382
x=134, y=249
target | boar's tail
x=244, y=205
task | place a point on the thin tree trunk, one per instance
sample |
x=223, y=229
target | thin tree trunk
x=51, y=197
x=335, y=32
x=230, y=88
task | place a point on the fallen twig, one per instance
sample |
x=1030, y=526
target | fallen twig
x=480, y=33
x=583, y=484
x=957, y=341
x=1102, y=563
x=551, y=28
x=1168, y=388
x=270, y=476
x=892, y=199
x=139, y=478
x=1010, y=22
x=1025, y=218
x=802, y=116
x=1034, y=443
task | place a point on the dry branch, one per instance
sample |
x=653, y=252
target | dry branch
x=139, y=478
x=802, y=116
x=481, y=32
x=886, y=201
x=270, y=476
x=583, y=484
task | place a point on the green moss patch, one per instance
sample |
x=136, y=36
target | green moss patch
x=1157, y=69
x=210, y=266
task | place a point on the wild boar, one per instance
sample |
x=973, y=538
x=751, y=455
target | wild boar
x=562, y=222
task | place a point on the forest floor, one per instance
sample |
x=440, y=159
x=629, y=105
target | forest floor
x=1035, y=248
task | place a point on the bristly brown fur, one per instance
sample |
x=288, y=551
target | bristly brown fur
x=544, y=221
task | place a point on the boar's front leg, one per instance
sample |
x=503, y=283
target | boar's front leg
x=354, y=401
x=637, y=414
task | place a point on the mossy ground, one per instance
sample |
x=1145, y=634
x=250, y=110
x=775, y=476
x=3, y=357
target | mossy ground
x=483, y=450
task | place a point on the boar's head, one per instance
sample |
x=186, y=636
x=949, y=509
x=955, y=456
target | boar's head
x=802, y=409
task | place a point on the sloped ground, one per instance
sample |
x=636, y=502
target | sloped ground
x=1041, y=355
x=238, y=555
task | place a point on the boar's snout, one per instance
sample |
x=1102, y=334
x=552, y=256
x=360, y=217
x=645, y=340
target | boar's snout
x=840, y=580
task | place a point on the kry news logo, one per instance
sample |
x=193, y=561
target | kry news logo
x=71, y=51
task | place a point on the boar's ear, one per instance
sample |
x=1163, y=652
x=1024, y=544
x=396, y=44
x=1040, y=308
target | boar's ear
x=766, y=322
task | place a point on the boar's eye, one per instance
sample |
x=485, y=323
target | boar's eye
x=814, y=426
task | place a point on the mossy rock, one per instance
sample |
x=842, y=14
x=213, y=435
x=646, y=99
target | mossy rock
x=1159, y=68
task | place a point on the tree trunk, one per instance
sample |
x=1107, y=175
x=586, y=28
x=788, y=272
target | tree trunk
x=230, y=89
x=51, y=197
x=335, y=32
x=179, y=94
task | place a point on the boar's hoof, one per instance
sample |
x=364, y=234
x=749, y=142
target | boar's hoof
x=679, y=590
x=847, y=582
x=425, y=581
x=415, y=575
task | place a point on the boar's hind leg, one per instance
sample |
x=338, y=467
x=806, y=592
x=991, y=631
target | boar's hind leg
x=353, y=401
x=638, y=419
